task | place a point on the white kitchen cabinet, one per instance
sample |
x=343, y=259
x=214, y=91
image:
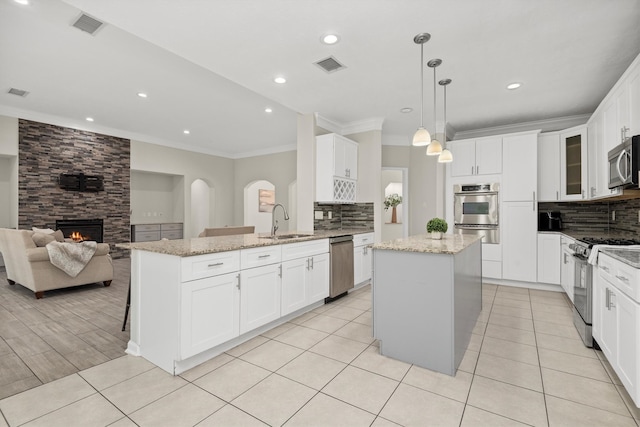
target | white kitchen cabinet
x=618, y=320
x=519, y=240
x=573, y=164
x=336, y=169
x=362, y=257
x=549, y=258
x=259, y=296
x=209, y=313
x=476, y=156
x=634, y=102
x=520, y=168
x=595, y=158
x=567, y=268
x=549, y=167
x=305, y=275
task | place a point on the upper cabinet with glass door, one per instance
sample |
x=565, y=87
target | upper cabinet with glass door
x=573, y=164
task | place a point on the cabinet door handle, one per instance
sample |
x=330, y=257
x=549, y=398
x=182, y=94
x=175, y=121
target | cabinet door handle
x=280, y=272
x=583, y=194
x=477, y=170
x=308, y=268
x=217, y=264
x=607, y=299
x=238, y=285
x=311, y=262
x=622, y=278
x=612, y=299
x=472, y=170
x=264, y=256
x=557, y=195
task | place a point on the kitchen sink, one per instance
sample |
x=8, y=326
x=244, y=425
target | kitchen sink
x=285, y=236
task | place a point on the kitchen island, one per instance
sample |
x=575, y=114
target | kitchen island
x=192, y=299
x=427, y=296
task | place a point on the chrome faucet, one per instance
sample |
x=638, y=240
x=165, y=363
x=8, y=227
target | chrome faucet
x=274, y=221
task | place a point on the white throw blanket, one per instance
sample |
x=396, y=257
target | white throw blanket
x=71, y=257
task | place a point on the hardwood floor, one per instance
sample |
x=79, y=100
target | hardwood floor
x=67, y=331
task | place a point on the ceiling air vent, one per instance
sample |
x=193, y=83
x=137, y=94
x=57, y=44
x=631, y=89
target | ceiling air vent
x=19, y=92
x=87, y=24
x=330, y=64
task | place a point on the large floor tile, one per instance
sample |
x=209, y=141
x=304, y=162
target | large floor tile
x=505, y=300
x=343, y=312
x=272, y=355
x=469, y=361
x=338, y=348
x=602, y=395
x=456, y=387
x=312, y=370
x=275, y=399
x=510, y=334
x=206, y=367
x=511, y=321
x=361, y=388
x=566, y=330
x=510, y=350
x=241, y=349
x=504, y=310
x=301, y=337
x=324, y=411
x=116, y=371
x=139, y=391
x=358, y=303
x=509, y=371
x=186, y=407
x=86, y=358
x=19, y=386
x=230, y=416
x=365, y=318
x=572, y=364
x=566, y=413
x=92, y=410
x=278, y=330
x=413, y=406
x=565, y=345
x=474, y=417
x=31, y=404
x=28, y=344
x=232, y=379
x=372, y=361
x=523, y=405
x=325, y=323
x=357, y=332
x=49, y=366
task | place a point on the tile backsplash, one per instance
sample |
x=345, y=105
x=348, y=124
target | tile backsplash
x=598, y=215
x=356, y=216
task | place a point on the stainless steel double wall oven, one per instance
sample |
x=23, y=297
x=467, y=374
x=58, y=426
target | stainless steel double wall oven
x=475, y=210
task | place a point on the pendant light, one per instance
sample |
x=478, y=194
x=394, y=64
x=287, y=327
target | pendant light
x=445, y=156
x=422, y=136
x=434, y=147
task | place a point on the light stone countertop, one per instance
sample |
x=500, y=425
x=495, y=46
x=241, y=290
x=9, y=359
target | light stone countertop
x=209, y=245
x=450, y=244
x=628, y=256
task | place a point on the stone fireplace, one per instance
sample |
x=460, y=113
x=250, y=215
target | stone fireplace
x=47, y=151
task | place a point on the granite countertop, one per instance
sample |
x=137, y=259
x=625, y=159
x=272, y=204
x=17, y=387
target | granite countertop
x=450, y=244
x=209, y=245
x=628, y=256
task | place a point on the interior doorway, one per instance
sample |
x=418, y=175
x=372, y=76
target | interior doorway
x=394, y=181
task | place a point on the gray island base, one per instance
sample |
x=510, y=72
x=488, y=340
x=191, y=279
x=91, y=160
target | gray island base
x=427, y=296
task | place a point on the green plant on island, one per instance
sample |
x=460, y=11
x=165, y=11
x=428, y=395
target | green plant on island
x=392, y=200
x=436, y=225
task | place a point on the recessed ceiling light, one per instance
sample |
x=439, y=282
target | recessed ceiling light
x=330, y=39
x=512, y=86
x=280, y=80
x=89, y=119
x=186, y=132
x=24, y=2
x=406, y=110
x=142, y=94
x=268, y=110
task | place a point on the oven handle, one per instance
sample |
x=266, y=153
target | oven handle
x=624, y=177
x=477, y=226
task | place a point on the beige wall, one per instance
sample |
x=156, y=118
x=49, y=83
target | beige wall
x=217, y=172
x=279, y=169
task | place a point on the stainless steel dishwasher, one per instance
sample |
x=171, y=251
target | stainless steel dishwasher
x=341, y=261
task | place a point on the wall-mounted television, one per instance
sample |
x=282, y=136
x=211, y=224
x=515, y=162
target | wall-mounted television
x=81, y=182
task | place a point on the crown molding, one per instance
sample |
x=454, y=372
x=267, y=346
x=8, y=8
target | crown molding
x=374, y=123
x=549, y=125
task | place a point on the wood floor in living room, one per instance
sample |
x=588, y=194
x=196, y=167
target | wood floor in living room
x=63, y=333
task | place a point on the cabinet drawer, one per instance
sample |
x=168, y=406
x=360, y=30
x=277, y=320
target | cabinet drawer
x=171, y=234
x=201, y=266
x=146, y=236
x=623, y=276
x=146, y=227
x=304, y=249
x=256, y=257
x=172, y=227
x=362, y=239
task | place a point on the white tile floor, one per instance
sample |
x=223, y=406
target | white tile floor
x=525, y=365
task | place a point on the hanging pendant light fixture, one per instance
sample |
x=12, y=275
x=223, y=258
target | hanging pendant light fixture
x=422, y=136
x=445, y=156
x=434, y=147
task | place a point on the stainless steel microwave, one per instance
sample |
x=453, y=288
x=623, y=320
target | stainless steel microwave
x=624, y=164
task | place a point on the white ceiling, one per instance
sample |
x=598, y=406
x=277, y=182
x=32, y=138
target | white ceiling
x=208, y=65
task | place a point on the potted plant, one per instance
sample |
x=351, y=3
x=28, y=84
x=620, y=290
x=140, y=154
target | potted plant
x=392, y=201
x=437, y=226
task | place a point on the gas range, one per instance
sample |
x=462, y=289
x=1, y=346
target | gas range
x=583, y=246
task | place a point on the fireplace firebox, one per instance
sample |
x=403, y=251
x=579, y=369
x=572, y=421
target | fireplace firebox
x=81, y=229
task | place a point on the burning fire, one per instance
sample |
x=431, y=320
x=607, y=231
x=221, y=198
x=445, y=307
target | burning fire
x=77, y=237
